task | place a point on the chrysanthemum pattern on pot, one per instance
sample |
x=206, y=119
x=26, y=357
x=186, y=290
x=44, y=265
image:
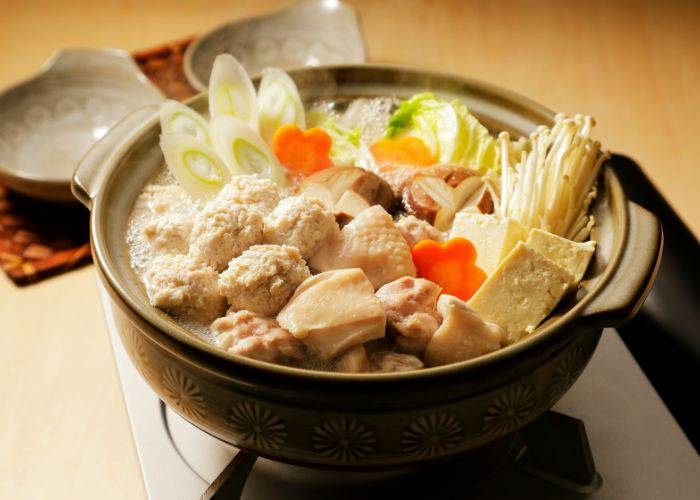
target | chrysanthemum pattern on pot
x=183, y=394
x=257, y=425
x=509, y=411
x=343, y=439
x=353, y=437
x=432, y=434
x=137, y=351
x=566, y=373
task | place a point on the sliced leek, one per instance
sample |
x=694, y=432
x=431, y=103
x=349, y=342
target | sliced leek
x=231, y=93
x=278, y=103
x=176, y=118
x=195, y=166
x=243, y=150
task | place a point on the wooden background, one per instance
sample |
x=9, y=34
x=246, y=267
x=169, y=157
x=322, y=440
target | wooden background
x=635, y=66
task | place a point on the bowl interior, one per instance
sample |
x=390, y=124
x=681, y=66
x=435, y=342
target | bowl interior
x=49, y=122
x=307, y=33
x=498, y=109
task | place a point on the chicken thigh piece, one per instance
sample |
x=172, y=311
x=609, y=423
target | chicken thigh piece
x=354, y=360
x=389, y=362
x=369, y=242
x=414, y=230
x=410, y=305
x=247, y=334
x=462, y=335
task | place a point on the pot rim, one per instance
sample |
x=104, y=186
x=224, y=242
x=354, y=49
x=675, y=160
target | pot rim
x=553, y=332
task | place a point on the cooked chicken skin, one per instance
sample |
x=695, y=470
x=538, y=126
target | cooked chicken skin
x=414, y=230
x=462, y=335
x=263, y=278
x=388, y=362
x=169, y=232
x=251, y=191
x=369, y=242
x=184, y=287
x=302, y=222
x=223, y=230
x=410, y=305
x=247, y=334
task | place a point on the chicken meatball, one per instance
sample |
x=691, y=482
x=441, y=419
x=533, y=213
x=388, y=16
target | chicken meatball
x=302, y=222
x=169, y=233
x=164, y=198
x=414, y=230
x=222, y=231
x=388, y=362
x=252, y=191
x=411, y=309
x=247, y=334
x=263, y=278
x=185, y=288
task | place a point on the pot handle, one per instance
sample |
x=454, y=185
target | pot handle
x=91, y=170
x=631, y=282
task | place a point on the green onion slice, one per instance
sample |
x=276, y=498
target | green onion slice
x=278, y=103
x=195, y=166
x=176, y=118
x=231, y=93
x=243, y=150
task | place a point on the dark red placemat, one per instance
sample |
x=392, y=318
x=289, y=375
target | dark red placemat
x=40, y=239
x=163, y=65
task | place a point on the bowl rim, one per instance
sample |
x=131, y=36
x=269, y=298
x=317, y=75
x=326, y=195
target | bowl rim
x=159, y=321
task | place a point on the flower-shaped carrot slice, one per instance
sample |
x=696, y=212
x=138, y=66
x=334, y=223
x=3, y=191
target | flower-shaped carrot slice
x=302, y=152
x=410, y=151
x=451, y=265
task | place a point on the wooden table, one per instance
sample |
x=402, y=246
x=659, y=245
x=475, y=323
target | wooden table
x=635, y=66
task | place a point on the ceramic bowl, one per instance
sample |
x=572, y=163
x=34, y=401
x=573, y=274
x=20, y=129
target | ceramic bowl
x=49, y=122
x=371, y=420
x=307, y=33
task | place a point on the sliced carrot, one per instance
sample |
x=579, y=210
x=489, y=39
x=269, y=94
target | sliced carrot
x=451, y=265
x=302, y=152
x=410, y=151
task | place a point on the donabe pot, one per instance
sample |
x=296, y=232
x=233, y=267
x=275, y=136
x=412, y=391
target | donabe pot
x=375, y=420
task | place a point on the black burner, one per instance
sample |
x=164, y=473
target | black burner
x=553, y=449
